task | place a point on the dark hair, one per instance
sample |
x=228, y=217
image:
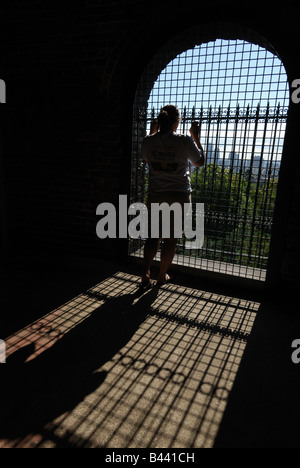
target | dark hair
x=168, y=116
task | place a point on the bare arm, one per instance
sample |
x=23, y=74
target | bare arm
x=153, y=130
x=194, y=131
x=154, y=127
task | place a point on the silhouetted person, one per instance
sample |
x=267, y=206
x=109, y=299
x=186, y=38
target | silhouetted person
x=168, y=155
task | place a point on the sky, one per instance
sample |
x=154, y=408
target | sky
x=227, y=73
x=222, y=72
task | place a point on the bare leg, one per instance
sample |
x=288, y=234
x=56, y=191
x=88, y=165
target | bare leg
x=150, y=250
x=167, y=255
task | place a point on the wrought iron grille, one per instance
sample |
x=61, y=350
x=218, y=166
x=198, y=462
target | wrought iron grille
x=243, y=145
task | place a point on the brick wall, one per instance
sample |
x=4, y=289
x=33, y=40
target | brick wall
x=71, y=70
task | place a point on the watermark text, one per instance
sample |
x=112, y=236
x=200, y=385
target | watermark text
x=296, y=92
x=2, y=352
x=155, y=223
x=296, y=354
x=2, y=92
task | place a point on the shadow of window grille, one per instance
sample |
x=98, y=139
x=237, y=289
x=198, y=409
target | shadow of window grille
x=170, y=357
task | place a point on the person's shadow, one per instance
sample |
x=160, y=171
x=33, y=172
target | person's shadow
x=34, y=393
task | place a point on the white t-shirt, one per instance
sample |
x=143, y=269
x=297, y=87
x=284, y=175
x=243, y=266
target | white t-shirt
x=168, y=156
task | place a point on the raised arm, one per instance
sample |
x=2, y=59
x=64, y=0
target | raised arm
x=154, y=127
x=195, y=132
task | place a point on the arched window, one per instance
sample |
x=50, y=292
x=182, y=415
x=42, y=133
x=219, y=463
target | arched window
x=237, y=89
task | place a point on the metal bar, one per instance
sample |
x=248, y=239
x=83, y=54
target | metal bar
x=249, y=177
x=236, y=120
x=267, y=203
x=214, y=162
x=257, y=184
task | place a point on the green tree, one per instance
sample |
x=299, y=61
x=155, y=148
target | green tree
x=238, y=214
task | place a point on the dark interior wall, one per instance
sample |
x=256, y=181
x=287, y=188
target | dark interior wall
x=71, y=70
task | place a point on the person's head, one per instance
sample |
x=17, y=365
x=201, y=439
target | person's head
x=168, y=118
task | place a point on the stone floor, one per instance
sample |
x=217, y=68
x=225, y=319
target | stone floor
x=91, y=361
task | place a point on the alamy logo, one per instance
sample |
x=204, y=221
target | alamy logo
x=2, y=352
x=154, y=225
x=296, y=92
x=2, y=92
x=296, y=354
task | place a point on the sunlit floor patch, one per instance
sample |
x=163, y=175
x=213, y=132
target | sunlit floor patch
x=170, y=358
x=46, y=331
